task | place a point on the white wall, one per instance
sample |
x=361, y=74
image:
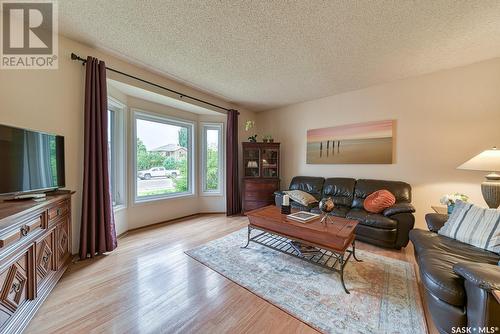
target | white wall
x=52, y=101
x=443, y=119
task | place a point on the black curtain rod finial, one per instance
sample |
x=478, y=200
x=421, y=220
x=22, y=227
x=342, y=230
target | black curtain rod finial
x=76, y=57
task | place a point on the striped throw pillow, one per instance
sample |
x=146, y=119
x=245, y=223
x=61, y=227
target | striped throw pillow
x=474, y=225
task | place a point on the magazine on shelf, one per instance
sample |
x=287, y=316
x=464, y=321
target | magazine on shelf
x=302, y=216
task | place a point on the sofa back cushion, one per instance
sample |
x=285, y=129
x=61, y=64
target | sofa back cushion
x=340, y=189
x=474, y=225
x=364, y=187
x=310, y=184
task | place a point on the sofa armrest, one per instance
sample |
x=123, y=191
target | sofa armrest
x=406, y=222
x=483, y=275
x=399, y=208
x=435, y=221
x=481, y=282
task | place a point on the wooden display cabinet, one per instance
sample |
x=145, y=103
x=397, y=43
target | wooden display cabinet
x=261, y=166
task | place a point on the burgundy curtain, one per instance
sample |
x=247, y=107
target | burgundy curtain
x=97, y=232
x=233, y=204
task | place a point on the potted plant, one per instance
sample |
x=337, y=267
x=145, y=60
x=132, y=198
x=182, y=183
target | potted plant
x=268, y=139
x=450, y=199
x=248, y=126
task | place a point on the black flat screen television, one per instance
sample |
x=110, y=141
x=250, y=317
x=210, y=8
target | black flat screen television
x=30, y=161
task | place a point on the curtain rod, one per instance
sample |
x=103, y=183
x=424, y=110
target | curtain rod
x=181, y=95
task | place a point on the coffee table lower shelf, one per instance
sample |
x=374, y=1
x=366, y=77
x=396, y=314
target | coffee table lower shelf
x=326, y=258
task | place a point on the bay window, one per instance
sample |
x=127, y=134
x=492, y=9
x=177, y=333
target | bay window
x=212, y=158
x=163, y=159
x=117, y=152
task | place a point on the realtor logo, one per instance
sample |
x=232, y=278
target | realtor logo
x=29, y=35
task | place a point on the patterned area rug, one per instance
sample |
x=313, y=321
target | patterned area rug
x=384, y=294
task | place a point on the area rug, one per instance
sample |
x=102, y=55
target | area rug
x=384, y=294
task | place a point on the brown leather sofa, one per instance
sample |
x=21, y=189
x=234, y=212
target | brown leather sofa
x=388, y=229
x=458, y=280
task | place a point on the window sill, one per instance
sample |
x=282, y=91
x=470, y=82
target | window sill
x=211, y=194
x=145, y=200
x=118, y=208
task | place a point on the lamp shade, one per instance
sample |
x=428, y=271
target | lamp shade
x=252, y=164
x=488, y=160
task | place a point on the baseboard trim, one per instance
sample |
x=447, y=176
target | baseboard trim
x=167, y=222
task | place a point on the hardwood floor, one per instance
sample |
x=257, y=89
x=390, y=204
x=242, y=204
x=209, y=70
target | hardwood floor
x=148, y=285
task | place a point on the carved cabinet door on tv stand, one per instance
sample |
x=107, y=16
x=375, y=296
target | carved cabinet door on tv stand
x=261, y=166
x=35, y=250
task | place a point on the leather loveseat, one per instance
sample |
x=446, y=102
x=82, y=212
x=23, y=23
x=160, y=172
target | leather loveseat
x=388, y=229
x=458, y=280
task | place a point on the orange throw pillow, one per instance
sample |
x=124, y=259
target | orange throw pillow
x=379, y=201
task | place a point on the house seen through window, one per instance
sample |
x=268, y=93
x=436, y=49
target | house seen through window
x=163, y=157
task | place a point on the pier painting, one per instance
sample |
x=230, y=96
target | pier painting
x=362, y=143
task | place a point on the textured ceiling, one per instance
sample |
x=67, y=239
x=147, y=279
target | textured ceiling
x=265, y=54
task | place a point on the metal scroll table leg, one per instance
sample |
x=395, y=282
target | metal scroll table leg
x=248, y=237
x=342, y=265
x=354, y=251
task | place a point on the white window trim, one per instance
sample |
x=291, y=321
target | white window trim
x=165, y=119
x=120, y=151
x=204, y=127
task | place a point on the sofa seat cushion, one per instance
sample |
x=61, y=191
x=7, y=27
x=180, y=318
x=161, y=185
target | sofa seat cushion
x=338, y=211
x=426, y=241
x=372, y=219
x=438, y=277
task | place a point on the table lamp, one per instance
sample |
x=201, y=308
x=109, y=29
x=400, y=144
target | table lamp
x=488, y=160
x=252, y=164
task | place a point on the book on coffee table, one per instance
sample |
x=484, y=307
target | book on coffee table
x=302, y=216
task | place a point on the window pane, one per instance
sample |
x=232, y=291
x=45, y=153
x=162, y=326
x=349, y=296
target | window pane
x=212, y=159
x=162, y=158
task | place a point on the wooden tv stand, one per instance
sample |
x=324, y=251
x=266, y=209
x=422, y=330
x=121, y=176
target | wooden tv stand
x=35, y=250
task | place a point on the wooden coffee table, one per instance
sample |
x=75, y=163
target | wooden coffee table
x=334, y=241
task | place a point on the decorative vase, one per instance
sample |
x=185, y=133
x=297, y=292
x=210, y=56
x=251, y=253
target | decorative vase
x=271, y=140
x=450, y=208
x=264, y=140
